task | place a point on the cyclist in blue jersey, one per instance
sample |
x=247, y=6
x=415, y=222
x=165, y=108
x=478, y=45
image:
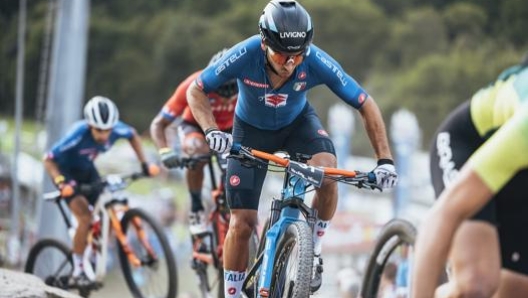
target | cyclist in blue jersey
x=274, y=71
x=71, y=161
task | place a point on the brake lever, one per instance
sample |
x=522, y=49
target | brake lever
x=365, y=180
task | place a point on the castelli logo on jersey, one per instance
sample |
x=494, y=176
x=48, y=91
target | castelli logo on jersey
x=302, y=75
x=322, y=132
x=232, y=59
x=292, y=34
x=234, y=180
x=362, y=97
x=199, y=83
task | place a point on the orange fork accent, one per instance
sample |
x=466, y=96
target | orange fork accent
x=142, y=235
x=122, y=238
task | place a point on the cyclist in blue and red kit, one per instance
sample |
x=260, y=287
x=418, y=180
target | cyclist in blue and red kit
x=274, y=71
x=71, y=161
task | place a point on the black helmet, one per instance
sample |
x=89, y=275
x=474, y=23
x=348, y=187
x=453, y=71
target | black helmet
x=285, y=26
x=229, y=88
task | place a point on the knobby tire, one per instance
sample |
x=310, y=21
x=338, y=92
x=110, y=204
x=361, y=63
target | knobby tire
x=155, y=228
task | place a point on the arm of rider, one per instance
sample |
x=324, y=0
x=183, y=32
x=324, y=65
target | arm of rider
x=457, y=203
x=201, y=108
x=373, y=121
x=135, y=143
x=168, y=157
x=66, y=187
x=157, y=131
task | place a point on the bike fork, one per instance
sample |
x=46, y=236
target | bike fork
x=122, y=238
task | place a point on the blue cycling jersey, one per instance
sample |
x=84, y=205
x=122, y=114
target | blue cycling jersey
x=78, y=149
x=266, y=108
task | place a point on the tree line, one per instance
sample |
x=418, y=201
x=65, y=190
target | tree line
x=423, y=55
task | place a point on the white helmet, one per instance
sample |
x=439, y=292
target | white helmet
x=100, y=112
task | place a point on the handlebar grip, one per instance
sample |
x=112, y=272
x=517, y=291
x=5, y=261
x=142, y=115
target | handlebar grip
x=67, y=191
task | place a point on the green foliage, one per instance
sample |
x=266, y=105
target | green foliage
x=352, y=34
x=426, y=56
x=421, y=32
x=465, y=19
x=514, y=21
x=439, y=82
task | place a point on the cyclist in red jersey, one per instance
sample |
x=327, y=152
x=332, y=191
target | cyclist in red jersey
x=191, y=136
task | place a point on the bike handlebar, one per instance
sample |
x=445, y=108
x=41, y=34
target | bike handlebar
x=191, y=162
x=112, y=182
x=312, y=174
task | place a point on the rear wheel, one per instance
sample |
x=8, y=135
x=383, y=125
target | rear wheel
x=292, y=270
x=397, y=235
x=157, y=275
x=51, y=261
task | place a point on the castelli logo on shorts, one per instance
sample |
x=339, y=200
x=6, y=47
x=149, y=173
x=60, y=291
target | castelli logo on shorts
x=320, y=233
x=234, y=180
x=232, y=291
x=322, y=132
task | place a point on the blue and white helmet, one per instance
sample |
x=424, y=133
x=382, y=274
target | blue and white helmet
x=100, y=112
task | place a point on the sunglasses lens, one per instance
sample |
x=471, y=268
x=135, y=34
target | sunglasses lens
x=282, y=59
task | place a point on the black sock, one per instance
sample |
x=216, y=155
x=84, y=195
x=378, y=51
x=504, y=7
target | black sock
x=196, y=201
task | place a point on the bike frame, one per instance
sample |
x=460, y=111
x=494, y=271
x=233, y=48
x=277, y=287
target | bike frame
x=215, y=216
x=110, y=208
x=298, y=177
x=283, y=212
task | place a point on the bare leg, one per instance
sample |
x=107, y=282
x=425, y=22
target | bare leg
x=236, y=245
x=81, y=211
x=325, y=199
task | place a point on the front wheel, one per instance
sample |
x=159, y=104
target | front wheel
x=51, y=261
x=157, y=275
x=292, y=270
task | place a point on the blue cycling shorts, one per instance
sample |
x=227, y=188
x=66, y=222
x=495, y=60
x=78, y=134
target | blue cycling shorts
x=83, y=176
x=304, y=135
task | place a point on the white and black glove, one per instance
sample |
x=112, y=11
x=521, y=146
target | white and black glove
x=218, y=141
x=169, y=158
x=386, y=176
